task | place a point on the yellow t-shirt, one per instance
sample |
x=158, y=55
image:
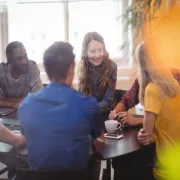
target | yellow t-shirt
x=167, y=122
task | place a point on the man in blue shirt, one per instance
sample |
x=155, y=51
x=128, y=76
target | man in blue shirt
x=58, y=122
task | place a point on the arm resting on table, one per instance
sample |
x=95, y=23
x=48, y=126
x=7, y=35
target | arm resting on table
x=11, y=102
x=9, y=137
x=120, y=107
x=130, y=99
x=137, y=121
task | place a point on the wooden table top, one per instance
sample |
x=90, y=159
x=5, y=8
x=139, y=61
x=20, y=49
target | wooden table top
x=112, y=147
x=115, y=148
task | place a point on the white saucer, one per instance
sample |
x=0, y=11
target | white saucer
x=113, y=136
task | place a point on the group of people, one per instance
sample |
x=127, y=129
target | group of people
x=59, y=123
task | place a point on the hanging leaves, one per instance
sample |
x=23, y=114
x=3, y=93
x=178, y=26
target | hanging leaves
x=138, y=13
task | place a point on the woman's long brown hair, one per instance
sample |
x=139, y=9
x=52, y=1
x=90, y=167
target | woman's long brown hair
x=84, y=80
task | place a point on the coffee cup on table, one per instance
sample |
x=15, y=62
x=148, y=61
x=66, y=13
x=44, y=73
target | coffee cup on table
x=112, y=126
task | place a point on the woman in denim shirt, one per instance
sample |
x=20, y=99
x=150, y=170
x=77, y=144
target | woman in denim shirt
x=97, y=73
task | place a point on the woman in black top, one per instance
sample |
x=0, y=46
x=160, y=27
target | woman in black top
x=97, y=73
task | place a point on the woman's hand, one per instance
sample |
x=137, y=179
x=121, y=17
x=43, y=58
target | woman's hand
x=112, y=115
x=145, y=138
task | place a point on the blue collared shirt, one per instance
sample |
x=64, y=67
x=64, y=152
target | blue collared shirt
x=58, y=124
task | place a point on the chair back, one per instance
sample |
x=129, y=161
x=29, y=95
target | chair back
x=118, y=96
x=25, y=174
x=45, y=85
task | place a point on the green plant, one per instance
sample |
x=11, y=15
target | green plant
x=137, y=14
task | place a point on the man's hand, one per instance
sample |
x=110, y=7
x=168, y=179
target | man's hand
x=127, y=119
x=112, y=115
x=145, y=138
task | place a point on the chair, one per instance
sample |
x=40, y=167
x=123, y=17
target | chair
x=45, y=85
x=26, y=174
x=118, y=96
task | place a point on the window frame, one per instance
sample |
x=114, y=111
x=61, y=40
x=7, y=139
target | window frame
x=3, y=29
x=125, y=61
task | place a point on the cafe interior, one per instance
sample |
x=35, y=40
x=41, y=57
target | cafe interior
x=130, y=45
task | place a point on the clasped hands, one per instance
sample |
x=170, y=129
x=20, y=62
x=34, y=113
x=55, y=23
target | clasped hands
x=145, y=138
x=122, y=117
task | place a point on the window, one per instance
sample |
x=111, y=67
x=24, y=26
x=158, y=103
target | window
x=38, y=23
x=97, y=16
x=3, y=29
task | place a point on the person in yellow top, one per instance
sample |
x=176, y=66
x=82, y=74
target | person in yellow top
x=160, y=95
x=170, y=163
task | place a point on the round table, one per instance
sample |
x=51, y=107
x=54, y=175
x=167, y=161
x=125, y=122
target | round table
x=115, y=148
x=118, y=147
x=112, y=147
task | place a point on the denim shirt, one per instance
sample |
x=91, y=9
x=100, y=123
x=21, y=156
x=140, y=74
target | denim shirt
x=95, y=73
x=58, y=124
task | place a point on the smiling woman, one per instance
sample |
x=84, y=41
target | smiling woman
x=95, y=52
x=97, y=73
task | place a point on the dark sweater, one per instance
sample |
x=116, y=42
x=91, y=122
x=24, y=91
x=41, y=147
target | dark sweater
x=95, y=73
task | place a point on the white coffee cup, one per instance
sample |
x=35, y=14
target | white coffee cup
x=112, y=126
